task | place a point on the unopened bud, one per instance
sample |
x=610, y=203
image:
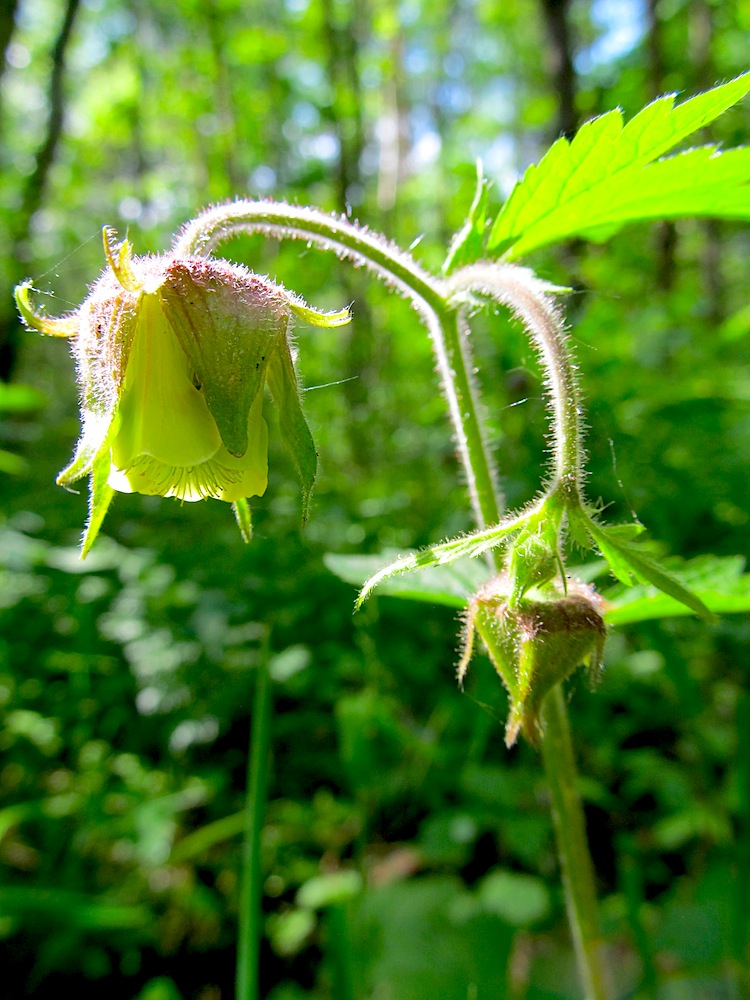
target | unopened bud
x=534, y=645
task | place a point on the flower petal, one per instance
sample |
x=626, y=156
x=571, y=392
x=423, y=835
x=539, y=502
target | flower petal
x=229, y=324
x=222, y=477
x=253, y=465
x=161, y=413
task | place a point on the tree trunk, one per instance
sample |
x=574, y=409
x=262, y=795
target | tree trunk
x=562, y=68
x=343, y=33
x=32, y=195
x=701, y=32
x=666, y=234
x=342, y=48
x=393, y=137
x=8, y=11
x=232, y=182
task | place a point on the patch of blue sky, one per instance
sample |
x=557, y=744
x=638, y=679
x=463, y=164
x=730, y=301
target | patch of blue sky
x=623, y=24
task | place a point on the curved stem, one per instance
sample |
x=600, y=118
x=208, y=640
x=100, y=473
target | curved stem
x=330, y=232
x=427, y=293
x=439, y=303
x=529, y=299
x=480, y=471
x=570, y=831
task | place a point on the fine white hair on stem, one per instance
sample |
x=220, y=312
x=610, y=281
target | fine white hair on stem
x=427, y=293
x=330, y=232
x=530, y=300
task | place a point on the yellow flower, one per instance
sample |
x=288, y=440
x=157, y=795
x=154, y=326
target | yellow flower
x=172, y=358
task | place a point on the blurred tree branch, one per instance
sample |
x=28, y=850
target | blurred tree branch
x=8, y=12
x=556, y=16
x=32, y=195
x=344, y=36
x=666, y=234
x=36, y=184
x=701, y=37
x=226, y=111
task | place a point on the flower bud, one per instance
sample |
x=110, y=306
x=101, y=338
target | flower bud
x=534, y=644
x=172, y=358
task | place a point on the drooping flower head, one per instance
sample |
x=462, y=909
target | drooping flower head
x=172, y=355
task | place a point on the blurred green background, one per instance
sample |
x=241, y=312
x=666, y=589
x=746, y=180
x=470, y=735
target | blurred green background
x=402, y=843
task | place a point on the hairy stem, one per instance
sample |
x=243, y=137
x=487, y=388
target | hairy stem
x=529, y=299
x=440, y=303
x=475, y=454
x=570, y=831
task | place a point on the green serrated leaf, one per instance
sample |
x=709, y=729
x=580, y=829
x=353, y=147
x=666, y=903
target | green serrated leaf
x=468, y=547
x=647, y=569
x=452, y=586
x=625, y=532
x=628, y=560
x=613, y=551
x=701, y=182
x=607, y=177
x=578, y=528
x=718, y=582
x=468, y=243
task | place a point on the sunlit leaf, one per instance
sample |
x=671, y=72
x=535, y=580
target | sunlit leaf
x=330, y=889
x=17, y=398
x=609, y=175
x=468, y=243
